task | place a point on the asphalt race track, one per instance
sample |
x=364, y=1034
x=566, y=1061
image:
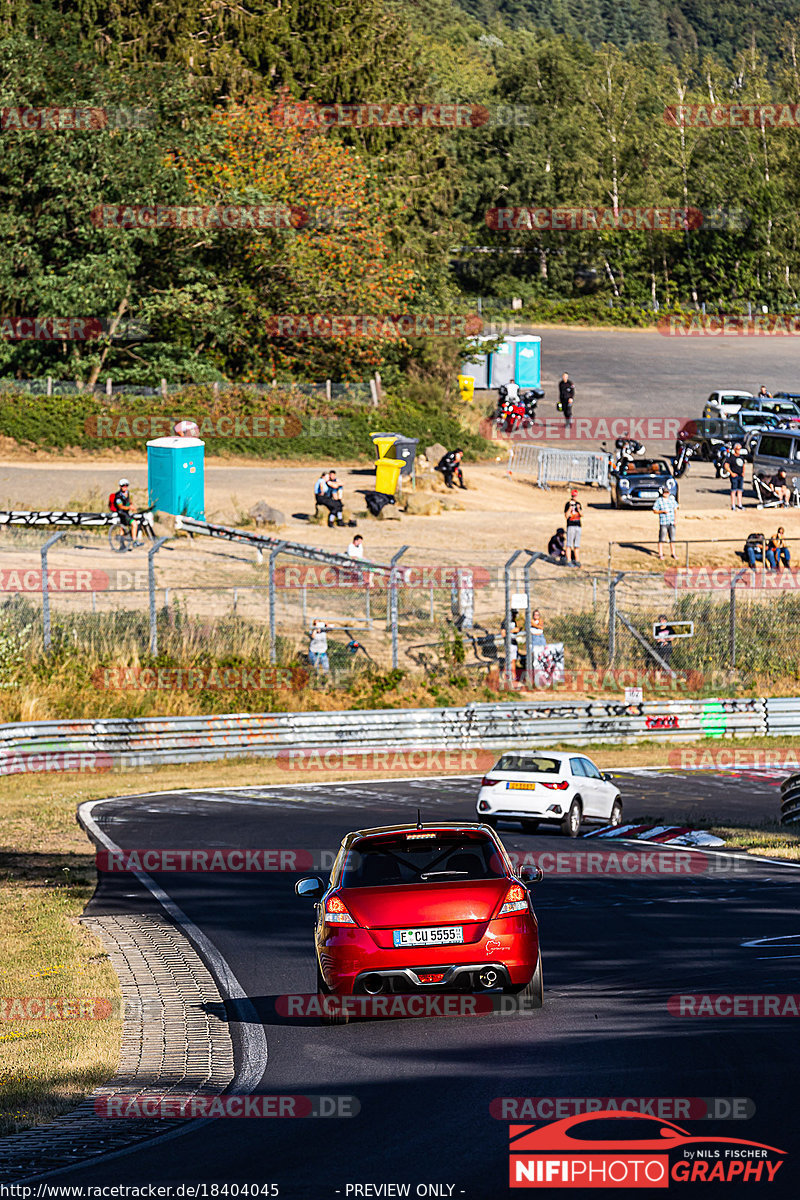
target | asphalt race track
x=614, y=949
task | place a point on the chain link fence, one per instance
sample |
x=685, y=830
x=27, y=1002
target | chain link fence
x=181, y=601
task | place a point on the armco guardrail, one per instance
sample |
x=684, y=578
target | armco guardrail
x=105, y=744
x=790, y=801
x=783, y=715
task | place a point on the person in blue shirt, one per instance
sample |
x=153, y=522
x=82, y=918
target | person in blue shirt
x=666, y=506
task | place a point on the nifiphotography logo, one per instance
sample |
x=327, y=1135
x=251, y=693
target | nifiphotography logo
x=615, y=1149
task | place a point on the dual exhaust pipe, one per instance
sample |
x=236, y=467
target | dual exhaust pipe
x=373, y=985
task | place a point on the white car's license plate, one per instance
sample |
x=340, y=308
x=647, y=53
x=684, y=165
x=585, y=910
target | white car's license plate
x=439, y=935
x=523, y=787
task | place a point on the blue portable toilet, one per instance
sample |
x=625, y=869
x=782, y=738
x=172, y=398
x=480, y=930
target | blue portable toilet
x=528, y=372
x=176, y=476
x=519, y=357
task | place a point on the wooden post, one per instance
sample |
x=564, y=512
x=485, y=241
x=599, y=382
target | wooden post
x=49, y=385
x=378, y=388
x=373, y=391
x=108, y=385
x=328, y=390
x=216, y=390
x=164, y=389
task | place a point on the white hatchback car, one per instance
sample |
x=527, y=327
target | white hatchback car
x=564, y=789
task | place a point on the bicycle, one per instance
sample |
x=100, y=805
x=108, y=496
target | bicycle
x=120, y=540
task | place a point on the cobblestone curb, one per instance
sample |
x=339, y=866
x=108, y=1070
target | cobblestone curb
x=174, y=1039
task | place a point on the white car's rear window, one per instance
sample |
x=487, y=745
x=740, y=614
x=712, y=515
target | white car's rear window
x=529, y=762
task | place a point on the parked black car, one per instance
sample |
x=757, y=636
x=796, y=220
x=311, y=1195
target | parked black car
x=637, y=486
x=707, y=434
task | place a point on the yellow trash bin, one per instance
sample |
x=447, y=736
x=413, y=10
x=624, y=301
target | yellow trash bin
x=387, y=474
x=383, y=443
x=466, y=385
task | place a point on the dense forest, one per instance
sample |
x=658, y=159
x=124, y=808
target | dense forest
x=573, y=108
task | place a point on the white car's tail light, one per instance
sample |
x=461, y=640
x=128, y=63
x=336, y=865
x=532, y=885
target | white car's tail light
x=487, y=781
x=336, y=912
x=516, y=900
x=557, y=787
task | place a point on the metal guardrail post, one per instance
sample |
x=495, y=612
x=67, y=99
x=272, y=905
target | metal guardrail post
x=507, y=578
x=612, y=617
x=732, y=616
x=393, y=603
x=526, y=570
x=151, y=583
x=46, y=589
x=272, y=556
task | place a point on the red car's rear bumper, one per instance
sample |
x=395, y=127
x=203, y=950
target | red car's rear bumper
x=347, y=954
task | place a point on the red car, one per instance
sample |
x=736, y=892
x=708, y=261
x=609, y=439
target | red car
x=421, y=908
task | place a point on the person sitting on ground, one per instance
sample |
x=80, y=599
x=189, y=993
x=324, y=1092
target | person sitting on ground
x=754, y=548
x=450, y=466
x=557, y=547
x=123, y=506
x=327, y=496
x=778, y=551
x=356, y=547
x=781, y=485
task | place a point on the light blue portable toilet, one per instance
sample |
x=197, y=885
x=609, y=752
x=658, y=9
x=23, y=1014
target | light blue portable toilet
x=518, y=357
x=528, y=354
x=176, y=476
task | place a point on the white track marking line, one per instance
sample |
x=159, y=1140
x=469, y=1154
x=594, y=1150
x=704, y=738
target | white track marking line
x=254, y=1040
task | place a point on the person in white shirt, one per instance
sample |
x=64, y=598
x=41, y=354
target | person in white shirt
x=318, y=646
x=356, y=547
x=512, y=391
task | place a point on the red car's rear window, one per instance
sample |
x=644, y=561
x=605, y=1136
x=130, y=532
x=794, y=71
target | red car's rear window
x=440, y=858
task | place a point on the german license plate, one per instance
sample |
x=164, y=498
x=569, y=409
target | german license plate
x=522, y=787
x=438, y=935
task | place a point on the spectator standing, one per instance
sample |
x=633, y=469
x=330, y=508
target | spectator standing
x=356, y=547
x=537, y=629
x=763, y=393
x=664, y=635
x=666, y=506
x=318, y=646
x=778, y=551
x=735, y=468
x=573, y=513
x=566, y=395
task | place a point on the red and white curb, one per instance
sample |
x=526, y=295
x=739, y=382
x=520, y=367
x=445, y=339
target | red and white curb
x=671, y=835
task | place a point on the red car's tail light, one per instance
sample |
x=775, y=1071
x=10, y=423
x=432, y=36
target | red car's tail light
x=516, y=900
x=487, y=781
x=336, y=912
x=557, y=787
x=431, y=977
